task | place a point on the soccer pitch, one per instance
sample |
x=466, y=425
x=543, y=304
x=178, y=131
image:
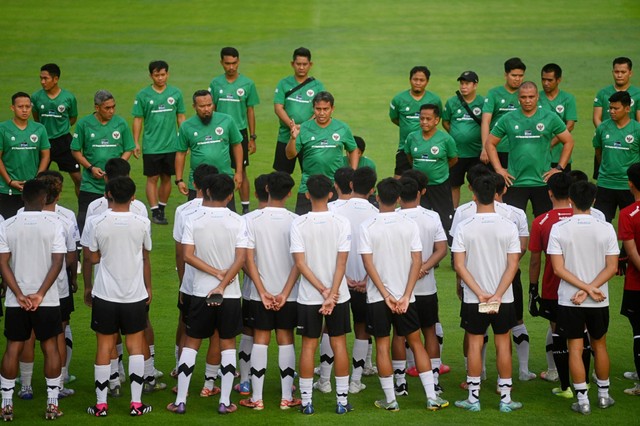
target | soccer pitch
x=362, y=52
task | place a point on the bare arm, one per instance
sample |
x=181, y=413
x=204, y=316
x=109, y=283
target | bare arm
x=57, y=260
x=238, y=156
x=485, y=129
x=45, y=155
x=179, y=261
x=446, y=125
x=231, y=273
x=465, y=275
x=597, y=116
x=524, y=243
x=267, y=298
x=146, y=271
x=10, y=280
x=439, y=253
x=137, y=130
x=193, y=260
x=566, y=140
x=308, y=274
x=490, y=147
x=282, y=114
x=507, y=277
x=251, y=121
x=179, y=166
x=452, y=161
x=354, y=158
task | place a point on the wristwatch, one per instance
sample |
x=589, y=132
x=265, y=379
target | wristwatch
x=253, y=137
x=178, y=181
x=559, y=167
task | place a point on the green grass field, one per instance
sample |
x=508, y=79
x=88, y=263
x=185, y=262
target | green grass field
x=362, y=53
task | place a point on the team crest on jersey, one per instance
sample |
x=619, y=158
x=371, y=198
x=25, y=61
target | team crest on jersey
x=435, y=150
x=115, y=135
x=477, y=111
x=61, y=108
x=219, y=131
x=240, y=92
x=310, y=93
x=335, y=137
x=170, y=100
x=629, y=139
x=540, y=127
x=559, y=109
x=528, y=132
x=33, y=138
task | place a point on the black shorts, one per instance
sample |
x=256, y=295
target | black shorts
x=60, y=153
x=247, y=313
x=245, y=150
x=203, y=320
x=44, y=321
x=266, y=319
x=572, y=321
x=458, y=171
x=402, y=163
x=358, y=304
x=124, y=318
x=427, y=308
x=66, y=307
x=518, y=298
x=183, y=305
x=159, y=164
x=474, y=322
x=310, y=320
x=539, y=196
x=10, y=204
x=549, y=309
x=438, y=198
x=608, y=200
x=84, y=199
x=380, y=319
x=280, y=161
x=630, y=306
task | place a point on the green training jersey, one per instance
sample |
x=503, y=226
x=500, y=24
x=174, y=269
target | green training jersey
x=620, y=149
x=529, y=142
x=322, y=148
x=234, y=98
x=209, y=143
x=464, y=129
x=602, y=100
x=298, y=104
x=100, y=143
x=363, y=162
x=500, y=101
x=21, y=151
x=564, y=104
x=159, y=111
x=406, y=110
x=431, y=156
x=55, y=113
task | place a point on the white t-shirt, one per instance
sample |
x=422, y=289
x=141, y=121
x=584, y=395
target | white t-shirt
x=467, y=210
x=486, y=238
x=320, y=236
x=71, y=238
x=358, y=211
x=100, y=206
x=67, y=214
x=597, y=214
x=431, y=231
x=182, y=212
x=120, y=237
x=584, y=242
x=269, y=234
x=247, y=283
x=215, y=232
x=31, y=238
x=390, y=238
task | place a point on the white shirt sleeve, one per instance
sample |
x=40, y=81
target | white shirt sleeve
x=612, y=248
x=60, y=241
x=187, y=232
x=344, y=241
x=4, y=247
x=147, y=237
x=514, y=242
x=458, y=241
x=251, y=236
x=364, y=241
x=241, y=238
x=297, y=242
x=554, y=246
x=416, y=243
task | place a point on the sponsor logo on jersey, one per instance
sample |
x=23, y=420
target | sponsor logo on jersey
x=335, y=137
x=219, y=131
x=171, y=100
x=435, y=150
x=528, y=132
x=310, y=93
x=116, y=135
x=324, y=142
x=629, y=139
x=33, y=138
x=61, y=108
x=559, y=109
x=208, y=138
x=424, y=156
x=477, y=111
x=617, y=144
x=104, y=141
x=240, y=92
x=540, y=127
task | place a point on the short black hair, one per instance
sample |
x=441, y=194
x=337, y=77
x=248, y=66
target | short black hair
x=302, y=51
x=52, y=69
x=621, y=60
x=500, y=182
x=33, y=191
x=203, y=170
x=422, y=69
x=622, y=96
x=410, y=189
x=578, y=176
x=364, y=180
x=514, y=64
x=433, y=107
x=117, y=167
x=56, y=174
x=389, y=190
x=121, y=189
x=319, y=187
x=19, y=95
x=342, y=178
x=53, y=185
x=559, y=184
x=633, y=173
x=158, y=66
x=582, y=195
x=229, y=51
x=418, y=176
x=279, y=185
x=323, y=96
x=217, y=187
x=200, y=93
x=360, y=143
x=484, y=188
x=479, y=169
x=260, y=185
x=554, y=68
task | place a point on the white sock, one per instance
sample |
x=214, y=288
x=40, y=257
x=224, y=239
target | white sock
x=603, y=388
x=426, y=378
x=342, y=389
x=101, y=374
x=306, y=390
x=185, y=370
x=359, y=354
x=258, y=370
x=53, y=389
x=148, y=371
x=399, y=370
x=367, y=362
x=504, y=386
x=473, y=386
x=411, y=359
x=8, y=386
x=119, y=350
x=521, y=339
x=551, y=364
x=326, y=358
x=387, y=387
x=435, y=367
x=287, y=364
x=26, y=373
x=63, y=374
x=581, y=392
x=68, y=339
x=228, y=368
x=244, y=355
x=136, y=376
x=210, y=375
x=440, y=336
x=114, y=377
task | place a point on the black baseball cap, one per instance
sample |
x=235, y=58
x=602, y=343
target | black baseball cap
x=469, y=76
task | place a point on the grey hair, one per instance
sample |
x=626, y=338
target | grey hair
x=101, y=97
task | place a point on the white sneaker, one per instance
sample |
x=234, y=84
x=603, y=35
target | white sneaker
x=631, y=375
x=550, y=375
x=634, y=390
x=322, y=386
x=525, y=377
x=316, y=371
x=356, y=387
x=370, y=370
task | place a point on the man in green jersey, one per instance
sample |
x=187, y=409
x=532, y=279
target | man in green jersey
x=57, y=110
x=292, y=103
x=622, y=73
x=560, y=102
x=499, y=101
x=404, y=111
x=461, y=117
x=162, y=108
x=529, y=131
x=236, y=95
x=210, y=136
x=24, y=152
x=99, y=137
x=433, y=152
x=321, y=142
x=617, y=145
